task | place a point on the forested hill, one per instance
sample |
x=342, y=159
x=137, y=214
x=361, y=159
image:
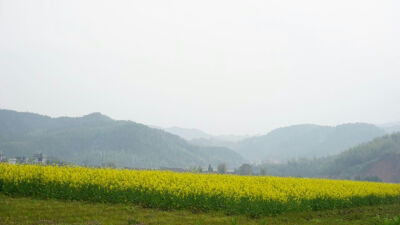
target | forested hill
x=378, y=159
x=95, y=139
x=306, y=141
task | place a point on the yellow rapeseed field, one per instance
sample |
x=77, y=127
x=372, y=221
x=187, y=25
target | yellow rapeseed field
x=236, y=194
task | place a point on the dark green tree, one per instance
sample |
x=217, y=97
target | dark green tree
x=210, y=169
x=221, y=168
x=245, y=169
x=263, y=170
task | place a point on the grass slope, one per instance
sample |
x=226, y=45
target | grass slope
x=21, y=210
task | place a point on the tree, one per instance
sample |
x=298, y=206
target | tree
x=210, y=169
x=263, y=170
x=221, y=168
x=245, y=169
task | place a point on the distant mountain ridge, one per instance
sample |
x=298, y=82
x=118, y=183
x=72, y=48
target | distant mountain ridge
x=188, y=133
x=306, y=141
x=201, y=138
x=95, y=139
x=391, y=127
x=192, y=134
x=297, y=141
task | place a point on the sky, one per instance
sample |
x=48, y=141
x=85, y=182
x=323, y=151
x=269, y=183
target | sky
x=225, y=66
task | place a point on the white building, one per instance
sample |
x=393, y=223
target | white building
x=12, y=161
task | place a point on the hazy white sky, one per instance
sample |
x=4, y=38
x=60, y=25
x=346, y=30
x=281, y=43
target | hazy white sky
x=223, y=66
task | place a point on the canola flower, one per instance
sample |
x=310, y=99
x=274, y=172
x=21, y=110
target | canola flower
x=170, y=190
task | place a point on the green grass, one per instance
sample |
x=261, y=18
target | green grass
x=388, y=221
x=23, y=210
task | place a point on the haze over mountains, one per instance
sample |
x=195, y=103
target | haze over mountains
x=201, y=138
x=307, y=141
x=298, y=141
x=391, y=127
x=95, y=139
x=358, y=151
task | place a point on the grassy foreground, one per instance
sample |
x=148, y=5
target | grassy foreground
x=23, y=210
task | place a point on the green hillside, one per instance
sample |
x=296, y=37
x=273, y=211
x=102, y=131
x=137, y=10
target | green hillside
x=378, y=159
x=95, y=139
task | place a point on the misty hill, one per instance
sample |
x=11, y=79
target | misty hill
x=95, y=139
x=306, y=141
x=202, y=137
x=213, y=142
x=391, y=127
x=378, y=159
x=188, y=134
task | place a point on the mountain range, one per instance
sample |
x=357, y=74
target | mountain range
x=292, y=142
x=306, y=141
x=96, y=139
